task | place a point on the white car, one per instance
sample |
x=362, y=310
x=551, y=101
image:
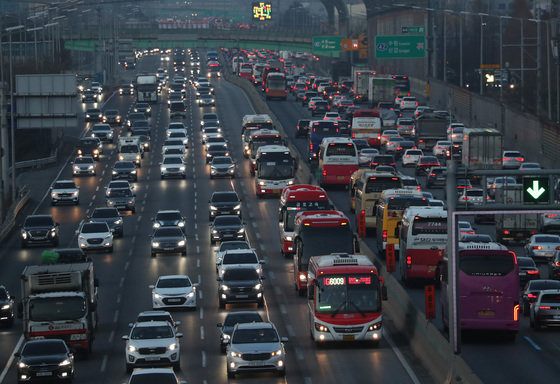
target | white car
x=175, y=127
x=172, y=143
x=366, y=156
x=211, y=132
x=408, y=102
x=222, y=166
x=411, y=157
x=215, y=140
x=229, y=245
x=83, y=165
x=331, y=116
x=174, y=291
x=156, y=338
x=103, y=132
x=117, y=184
x=441, y=147
x=95, y=235
x=529, y=166
x=240, y=258
x=387, y=134
x=453, y=125
x=154, y=375
x=179, y=136
x=312, y=102
x=65, y=191
x=172, y=166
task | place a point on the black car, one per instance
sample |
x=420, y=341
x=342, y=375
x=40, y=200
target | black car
x=126, y=89
x=383, y=160
x=45, y=359
x=89, y=146
x=122, y=199
x=145, y=108
x=6, y=307
x=302, y=128
x=89, y=96
x=425, y=163
x=209, y=117
x=169, y=240
x=93, y=114
x=111, y=216
x=112, y=116
x=360, y=144
x=216, y=150
x=532, y=290
x=240, y=285
x=554, y=267
x=231, y=320
x=320, y=108
x=224, y=203
x=70, y=255
x=124, y=170
x=527, y=270
x=307, y=96
x=345, y=128
x=134, y=116
x=137, y=125
x=436, y=176
x=227, y=227
x=39, y=229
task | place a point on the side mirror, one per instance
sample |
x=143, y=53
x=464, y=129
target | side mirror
x=131, y=325
x=219, y=279
x=284, y=339
x=151, y=286
x=262, y=261
x=263, y=277
x=219, y=325
x=310, y=291
x=125, y=337
x=17, y=354
x=384, y=293
x=179, y=335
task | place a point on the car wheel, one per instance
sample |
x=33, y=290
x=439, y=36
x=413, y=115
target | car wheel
x=222, y=305
x=211, y=177
x=153, y=254
x=110, y=249
x=230, y=375
x=282, y=373
x=177, y=366
x=53, y=203
x=55, y=242
x=129, y=368
x=77, y=202
x=184, y=253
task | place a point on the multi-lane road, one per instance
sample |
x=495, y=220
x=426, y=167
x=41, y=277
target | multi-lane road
x=125, y=273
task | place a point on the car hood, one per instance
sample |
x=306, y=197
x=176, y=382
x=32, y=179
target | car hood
x=64, y=190
x=257, y=347
x=227, y=227
x=95, y=235
x=120, y=198
x=167, y=223
x=38, y=228
x=104, y=219
x=124, y=169
x=176, y=165
x=241, y=283
x=221, y=166
x=84, y=165
x=173, y=291
x=43, y=359
x=167, y=239
x=225, y=204
x=153, y=343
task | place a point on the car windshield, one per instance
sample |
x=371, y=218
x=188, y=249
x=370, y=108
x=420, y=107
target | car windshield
x=129, y=149
x=177, y=134
x=253, y=336
x=176, y=282
x=120, y=192
x=227, y=220
x=217, y=148
x=539, y=285
x=228, y=245
x=547, y=239
x=142, y=318
x=172, y=160
x=94, y=228
x=237, y=318
x=176, y=126
x=83, y=160
x=39, y=221
x=124, y=165
x=102, y=213
x=369, y=151
x=168, y=216
x=173, y=142
x=111, y=112
x=3, y=294
x=222, y=160
x=44, y=347
x=64, y=185
x=168, y=232
x=224, y=197
x=525, y=262
x=88, y=143
x=101, y=128
x=151, y=378
x=240, y=258
x=57, y=308
x=240, y=274
x=140, y=123
x=155, y=332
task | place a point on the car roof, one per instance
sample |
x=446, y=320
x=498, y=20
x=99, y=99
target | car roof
x=152, y=324
x=147, y=371
x=255, y=325
x=168, y=277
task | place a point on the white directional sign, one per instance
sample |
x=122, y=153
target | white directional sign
x=535, y=189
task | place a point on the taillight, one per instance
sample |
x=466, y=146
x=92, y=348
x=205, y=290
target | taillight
x=407, y=156
x=506, y=159
x=538, y=247
x=409, y=261
x=558, y=248
x=384, y=235
x=324, y=172
x=550, y=215
x=506, y=232
x=520, y=159
x=432, y=174
x=533, y=272
x=531, y=296
x=544, y=307
x=516, y=312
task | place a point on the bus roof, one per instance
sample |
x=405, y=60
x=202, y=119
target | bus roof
x=273, y=148
x=336, y=140
x=428, y=212
x=463, y=246
x=262, y=118
x=366, y=113
x=400, y=193
x=342, y=259
x=322, y=219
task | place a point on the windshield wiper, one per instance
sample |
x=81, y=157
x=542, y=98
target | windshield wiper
x=338, y=309
x=357, y=308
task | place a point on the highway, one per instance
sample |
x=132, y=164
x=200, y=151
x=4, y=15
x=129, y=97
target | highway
x=125, y=273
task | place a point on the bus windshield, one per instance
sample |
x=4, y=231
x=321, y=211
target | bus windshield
x=274, y=82
x=396, y=207
x=429, y=225
x=379, y=184
x=486, y=264
x=341, y=149
x=339, y=294
x=272, y=170
x=293, y=208
x=324, y=241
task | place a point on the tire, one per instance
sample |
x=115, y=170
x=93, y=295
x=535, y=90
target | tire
x=184, y=253
x=55, y=242
x=129, y=368
x=111, y=248
x=282, y=373
x=153, y=254
x=230, y=375
x=260, y=304
x=177, y=366
x=221, y=305
x=53, y=203
x=301, y=292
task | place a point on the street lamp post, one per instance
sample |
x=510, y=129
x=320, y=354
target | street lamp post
x=482, y=24
x=12, y=114
x=34, y=30
x=49, y=25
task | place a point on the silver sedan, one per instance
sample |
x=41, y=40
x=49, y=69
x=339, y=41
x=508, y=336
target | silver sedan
x=542, y=246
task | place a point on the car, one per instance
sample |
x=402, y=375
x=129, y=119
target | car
x=154, y=375
x=408, y=182
x=408, y=102
x=44, y=359
x=39, y=229
x=425, y=163
x=93, y=114
x=232, y=319
x=89, y=96
x=169, y=218
x=545, y=311
x=178, y=109
x=174, y=291
x=133, y=117
x=465, y=228
x=383, y=160
x=472, y=197
x=222, y=166
x=174, y=97
x=498, y=183
x=527, y=270
x=179, y=136
x=89, y=146
x=97, y=87
x=172, y=167
x=240, y=258
x=214, y=138
x=143, y=139
x=64, y=191
x=411, y=157
x=94, y=236
x=224, y=203
x=176, y=126
x=123, y=199
x=207, y=117
x=175, y=152
x=302, y=128
x=393, y=144
x=386, y=134
x=549, y=222
x=172, y=143
x=512, y=159
x=527, y=166
x=462, y=184
x=452, y=125
x=456, y=135
x=330, y=115
x=125, y=170
x=208, y=132
x=436, y=177
x=255, y=347
x=216, y=149
x=110, y=216
x=7, y=306
x=240, y=284
x=104, y=132
x=321, y=107
x=542, y=246
x=112, y=116
x=421, y=109
x=312, y=102
x=168, y=239
x=158, y=340
x=441, y=147
x=366, y=155
x=531, y=292
x=143, y=108
x=227, y=227
x=404, y=145
x=140, y=126
x=475, y=238
x=146, y=316
x=126, y=89
x=117, y=184
x=398, y=99
x=360, y=143
x=83, y=165
x=229, y=245
x=205, y=99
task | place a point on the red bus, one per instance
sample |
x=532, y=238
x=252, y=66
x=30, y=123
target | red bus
x=488, y=288
x=295, y=199
x=276, y=86
x=319, y=233
x=345, y=293
x=367, y=124
x=246, y=71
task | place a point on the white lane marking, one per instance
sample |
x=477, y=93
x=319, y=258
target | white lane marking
x=198, y=263
x=202, y=332
x=195, y=226
x=111, y=336
x=139, y=218
x=261, y=247
x=290, y=330
x=251, y=216
x=142, y=208
x=258, y=235
x=299, y=353
x=90, y=204
x=277, y=290
x=97, y=189
x=133, y=239
x=116, y=316
x=199, y=279
x=21, y=339
x=196, y=236
x=535, y=345
x=201, y=313
x=94, y=196
x=272, y=275
x=283, y=309
x=254, y=224
x=204, y=361
x=119, y=298
x=200, y=294
x=104, y=363
x=126, y=265
x=401, y=358
x=197, y=249
x=121, y=283
x=129, y=255
x=307, y=380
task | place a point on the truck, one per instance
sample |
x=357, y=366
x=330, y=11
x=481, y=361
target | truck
x=429, y=129
x=129, y=149
x=60, y=301
x=147, y=88
x=360, y=77
x=381, y=88
x=482, y=148
x=513, y=226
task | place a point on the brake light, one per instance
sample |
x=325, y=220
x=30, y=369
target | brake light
x=531, y=296
x=558, y=248
x=409, y=261
x=544, y=307
x=533, y=272
x=407, y=156
x=550, y=215
x=384, y=235
x=432, y=174
x=516, y=312
x=538, y=247
x=520, y=159
x=506, y=159
x=506, y=232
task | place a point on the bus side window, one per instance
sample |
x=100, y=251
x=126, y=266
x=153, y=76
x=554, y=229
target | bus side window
x=281, y=214
x=311, y=291
x=398, y=229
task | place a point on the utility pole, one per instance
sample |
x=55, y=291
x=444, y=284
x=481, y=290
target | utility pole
x=539, y=63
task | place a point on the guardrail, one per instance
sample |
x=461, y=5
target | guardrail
x=37, y=162
x=8, y=224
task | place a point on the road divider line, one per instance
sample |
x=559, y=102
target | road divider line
x=535, y=345
x=261, y=247
x=199, y=279
x=204, y=361
x=196, y=236
x=104, y=363
x=299, y=353
x=197, y=249
x=283, y=309
x=291, y=331
x=401, y=358
x=198, y=263
x=11, y=359
x=116, y=316
x=126, y=265
x=272, y=275
x=139, y=218
x=201, y=313
x=111, y=336
x=277, y=290
x=202, y=332
x=199, y=294
x=121, y=283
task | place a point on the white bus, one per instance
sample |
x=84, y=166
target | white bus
x=338, y=160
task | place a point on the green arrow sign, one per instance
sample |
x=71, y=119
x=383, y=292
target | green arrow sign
x=535, y=189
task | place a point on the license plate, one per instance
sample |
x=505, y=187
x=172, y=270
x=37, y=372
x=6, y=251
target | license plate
x=174, y=300
x=486, y=313
x=556, y=317
x=121, y=206
x=519, y=235
x=44, y=373
x=228, y=236
x=152, y=358
x=256, y=363
x=340, y=177
x=348, y=337
x=241, y=296
x=168, y=249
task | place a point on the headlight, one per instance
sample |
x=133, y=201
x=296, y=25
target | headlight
x=6, y=306
x=172, y=347
x=22, y=365
x=375, y=327
x=53, y=194
x=214, y=231
x=79, y=151
x=212, y=208
x=76, y=168
x=290, y=182
x=182, y=168
x=261, y=183
x=132, y=348
x=121, y=157
x=119, y=221
x=191, y=294
x=96, y=151
x=241, y=230
x=235, y=354
x=277, y=353
x=90, y=167
x=181, y=224
x=65, y=363
x=157, y=225
x=258, y=286
x=115, y=172
x=238, y=206
x=155, y=244
x=158, y=296
x=227, y=337
x=137, y=157
x=81, y=238
x=133, y=172
x=163, y=169
x=181, y=243
x=321, y=327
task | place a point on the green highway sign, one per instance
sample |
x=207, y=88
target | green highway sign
x=419, y=29
x=400, y=47
x=535, y=189
x=326, y=43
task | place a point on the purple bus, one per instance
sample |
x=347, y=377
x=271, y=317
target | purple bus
x=488, y=288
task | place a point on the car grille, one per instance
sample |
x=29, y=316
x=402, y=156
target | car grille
x=94, y=241
x=172, y=169
x=41, y=233
x=168, y=245
x=348, y=329
x=152, y=351
x=64, y=194
x=255, y=356
x=43, y=368
x=241, y=289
